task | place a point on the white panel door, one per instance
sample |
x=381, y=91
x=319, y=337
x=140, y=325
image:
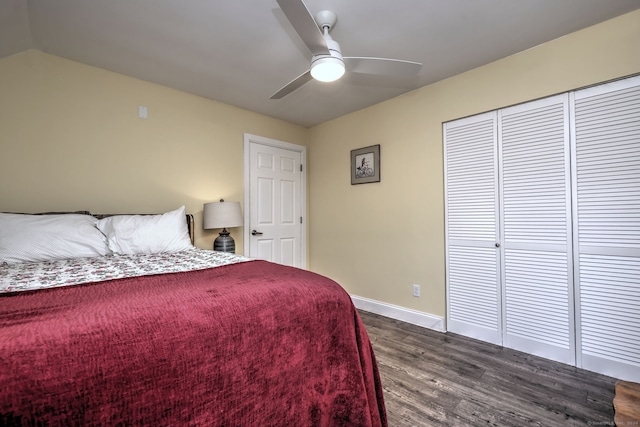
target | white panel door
x=471, y=223
x=607, y=243
x=275, y=216
x=534, y=147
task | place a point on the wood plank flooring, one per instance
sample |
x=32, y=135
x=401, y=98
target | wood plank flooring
x=437, y=379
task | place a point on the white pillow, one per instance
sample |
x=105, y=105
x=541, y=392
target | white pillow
x=32, y=238
x=136, y=234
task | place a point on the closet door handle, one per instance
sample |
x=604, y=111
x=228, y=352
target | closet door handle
x=497, y=245
x=256, y=233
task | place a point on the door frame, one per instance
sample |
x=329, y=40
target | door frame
x=250, y=139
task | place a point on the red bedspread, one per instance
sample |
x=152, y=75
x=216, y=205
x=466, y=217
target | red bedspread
x=249, y=344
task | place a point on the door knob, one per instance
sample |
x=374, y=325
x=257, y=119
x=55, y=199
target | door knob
x=256, y=233
x=497, y=245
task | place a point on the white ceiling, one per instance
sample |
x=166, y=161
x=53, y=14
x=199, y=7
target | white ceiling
x=240, y=52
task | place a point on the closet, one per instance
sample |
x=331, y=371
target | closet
x=542, y=227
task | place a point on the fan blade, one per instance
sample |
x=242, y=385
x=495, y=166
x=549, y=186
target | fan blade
x=304, y=24
x=293, y=85
x=382, y=66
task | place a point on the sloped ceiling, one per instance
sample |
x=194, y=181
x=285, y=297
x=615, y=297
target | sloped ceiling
x=240, y=52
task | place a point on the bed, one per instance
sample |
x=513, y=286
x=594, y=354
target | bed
x=189, y=337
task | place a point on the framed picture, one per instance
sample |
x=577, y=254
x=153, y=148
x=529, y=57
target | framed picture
x=365, y=165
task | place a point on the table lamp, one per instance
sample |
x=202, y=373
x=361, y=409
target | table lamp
x=222, y=215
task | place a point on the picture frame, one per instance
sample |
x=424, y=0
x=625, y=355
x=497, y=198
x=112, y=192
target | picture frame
x=365, y=165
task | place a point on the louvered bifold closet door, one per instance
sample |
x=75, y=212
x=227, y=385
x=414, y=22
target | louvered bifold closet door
x=607, y=242
x=471, y=220
x=534, y=144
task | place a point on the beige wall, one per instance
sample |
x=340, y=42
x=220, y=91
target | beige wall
x=379, y=239
x=71, y=139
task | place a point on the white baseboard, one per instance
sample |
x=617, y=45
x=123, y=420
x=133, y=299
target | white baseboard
x=403, y=314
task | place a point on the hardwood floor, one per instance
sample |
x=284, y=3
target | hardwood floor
x=437, y=379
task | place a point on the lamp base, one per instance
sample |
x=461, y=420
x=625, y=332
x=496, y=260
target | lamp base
x=224, y=242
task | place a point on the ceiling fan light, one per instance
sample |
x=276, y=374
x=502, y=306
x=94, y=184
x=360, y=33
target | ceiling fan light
x=327, y=69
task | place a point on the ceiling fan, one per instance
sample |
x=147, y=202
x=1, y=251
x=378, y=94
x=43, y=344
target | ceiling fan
x=327, y=63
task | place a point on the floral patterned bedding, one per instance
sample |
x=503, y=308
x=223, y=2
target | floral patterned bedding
x=43, y=275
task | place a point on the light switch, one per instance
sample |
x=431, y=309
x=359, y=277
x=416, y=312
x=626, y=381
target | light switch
x=142, y=111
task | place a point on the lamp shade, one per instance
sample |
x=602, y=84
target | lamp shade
x=222, y=215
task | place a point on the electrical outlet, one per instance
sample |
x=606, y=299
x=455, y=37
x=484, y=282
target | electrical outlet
x=416, y=290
